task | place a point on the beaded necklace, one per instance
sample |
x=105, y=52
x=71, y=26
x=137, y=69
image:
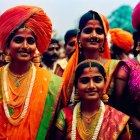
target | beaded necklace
x=88, y=119
x=17, y=79
x=16, y=121
x=98, y=126
x=86, y=132
x=18, y=94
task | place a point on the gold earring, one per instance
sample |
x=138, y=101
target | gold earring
x=101, y=49
x=79, y=44
x=105, y=98
x=36, y=58
x=8, y=56
x=76, y=96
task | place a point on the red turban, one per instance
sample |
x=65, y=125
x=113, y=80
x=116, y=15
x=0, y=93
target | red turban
x=136, y=16
x=32, y=17
x=122, y=39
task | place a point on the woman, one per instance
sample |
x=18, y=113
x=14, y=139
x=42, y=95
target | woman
x=28, y=95
x=133, y=69
x=92, y=44
x=90, y=118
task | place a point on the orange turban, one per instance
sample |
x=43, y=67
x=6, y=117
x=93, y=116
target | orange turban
x=122, y=39
x=32, y=17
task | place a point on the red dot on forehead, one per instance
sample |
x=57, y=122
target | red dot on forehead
x=93, y=22
x=90, y=69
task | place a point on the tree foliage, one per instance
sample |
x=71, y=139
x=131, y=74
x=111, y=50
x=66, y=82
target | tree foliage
x=121, y=18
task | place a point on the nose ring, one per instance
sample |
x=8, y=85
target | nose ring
x=98, y=39
x=91, y=35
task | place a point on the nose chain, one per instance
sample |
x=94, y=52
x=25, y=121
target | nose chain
x=94, y=38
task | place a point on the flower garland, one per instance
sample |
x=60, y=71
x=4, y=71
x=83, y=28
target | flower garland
x=13, y=122
x=97, y=129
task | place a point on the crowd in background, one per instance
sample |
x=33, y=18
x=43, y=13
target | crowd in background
x=86, y=86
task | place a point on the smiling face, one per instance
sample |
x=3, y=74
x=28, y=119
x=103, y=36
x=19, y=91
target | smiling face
x=91, y=84
x=23, y=45
x=92, y=35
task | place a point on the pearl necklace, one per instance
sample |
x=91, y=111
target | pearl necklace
x=7, y=96
x=97, y=129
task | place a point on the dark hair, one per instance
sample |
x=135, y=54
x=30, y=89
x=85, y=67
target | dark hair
x=136, y=36
x=116, y=51
x=69, y=34
x=80, y=69
x=55, y=41
x=14, y=32
x=90, y=15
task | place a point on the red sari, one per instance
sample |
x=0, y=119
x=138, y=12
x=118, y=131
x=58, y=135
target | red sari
x=113, y=123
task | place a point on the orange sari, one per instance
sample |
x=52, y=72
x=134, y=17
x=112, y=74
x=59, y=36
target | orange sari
x=41, y=110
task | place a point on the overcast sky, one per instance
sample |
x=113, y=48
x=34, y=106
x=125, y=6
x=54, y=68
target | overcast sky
x=65, y=14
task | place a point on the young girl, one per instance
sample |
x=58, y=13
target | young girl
x=90, y=118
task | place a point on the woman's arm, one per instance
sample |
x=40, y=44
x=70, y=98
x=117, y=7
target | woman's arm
x=60, y=126
x=121, y=81
x=135, y=119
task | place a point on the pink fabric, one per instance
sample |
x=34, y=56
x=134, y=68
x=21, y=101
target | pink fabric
x=136, y=16
x=134, y=80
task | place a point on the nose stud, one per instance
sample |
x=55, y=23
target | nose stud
x=27, y=47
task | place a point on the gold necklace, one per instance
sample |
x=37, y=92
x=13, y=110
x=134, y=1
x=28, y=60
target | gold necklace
x=9, y=104
x=88, y=118
x=16, y=79
x=84, y=132
x=18, y=94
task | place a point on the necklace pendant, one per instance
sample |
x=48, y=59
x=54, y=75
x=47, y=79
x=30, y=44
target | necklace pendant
x=17, y=84
x=88, y=121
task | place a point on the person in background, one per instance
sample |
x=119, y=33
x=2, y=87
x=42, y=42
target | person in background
x=69, y=46
x=28, y=96
x=90, y=118
x=62, y=49
x=70, y=39
x=130, y=99
x=50, y=56
x=121, y=43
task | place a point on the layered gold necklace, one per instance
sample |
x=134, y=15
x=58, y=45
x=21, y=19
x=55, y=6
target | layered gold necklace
x=16, y=93
x=85, y=132
x=18, y=86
